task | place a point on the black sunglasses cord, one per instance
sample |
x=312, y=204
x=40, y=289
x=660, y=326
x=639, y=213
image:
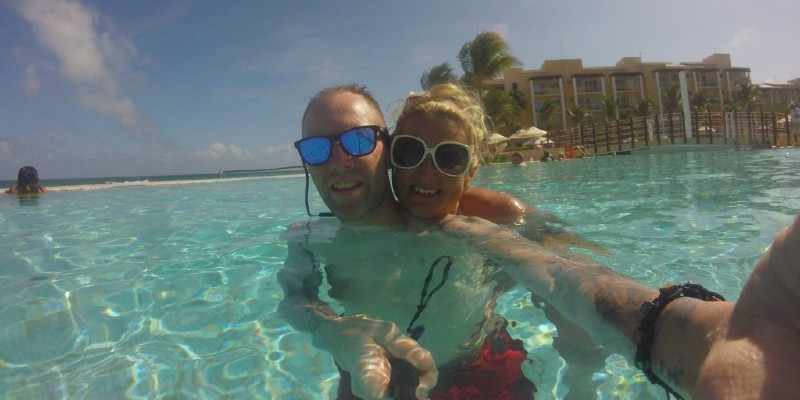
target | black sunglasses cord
x=308, y=209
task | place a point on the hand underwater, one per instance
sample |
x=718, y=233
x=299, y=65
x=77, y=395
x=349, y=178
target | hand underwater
x=364, y=347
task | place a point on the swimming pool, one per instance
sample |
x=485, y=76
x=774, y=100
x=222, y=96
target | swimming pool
x=170, y=291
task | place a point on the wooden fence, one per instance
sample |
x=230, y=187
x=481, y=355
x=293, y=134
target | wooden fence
x=759, y=129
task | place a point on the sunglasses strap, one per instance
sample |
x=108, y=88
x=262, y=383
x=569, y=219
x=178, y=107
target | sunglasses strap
x=308, y=209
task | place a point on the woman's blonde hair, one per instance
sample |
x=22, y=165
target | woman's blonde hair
x=452, y=102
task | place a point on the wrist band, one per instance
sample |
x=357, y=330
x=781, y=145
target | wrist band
x=651, y=311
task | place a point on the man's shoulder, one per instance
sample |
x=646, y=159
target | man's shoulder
x=305, y=231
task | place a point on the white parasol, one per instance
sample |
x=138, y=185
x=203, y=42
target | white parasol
x=496, y=138
x=530, y=133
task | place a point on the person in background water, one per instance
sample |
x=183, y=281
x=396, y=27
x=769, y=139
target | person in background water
x=27, y=182
x=546, y=157
x=517, y=161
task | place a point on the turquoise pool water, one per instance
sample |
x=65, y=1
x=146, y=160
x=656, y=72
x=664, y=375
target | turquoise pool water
x=170, y=292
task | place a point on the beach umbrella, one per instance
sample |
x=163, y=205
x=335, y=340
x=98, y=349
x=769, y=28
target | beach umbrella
x=543, y=140
x=530, y=133
x=496, y=138
x=536, y=132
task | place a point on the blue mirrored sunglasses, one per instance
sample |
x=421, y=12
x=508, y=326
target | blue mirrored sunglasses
x=357, y=142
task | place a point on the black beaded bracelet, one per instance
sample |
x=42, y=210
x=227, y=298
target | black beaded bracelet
x=651, y=311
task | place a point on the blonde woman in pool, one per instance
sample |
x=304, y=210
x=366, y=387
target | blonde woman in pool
x=684, y=337
x=434, y=155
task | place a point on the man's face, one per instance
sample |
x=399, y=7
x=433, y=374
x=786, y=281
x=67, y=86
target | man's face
x=354, y=188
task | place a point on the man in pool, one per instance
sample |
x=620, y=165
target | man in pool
x=707, y=349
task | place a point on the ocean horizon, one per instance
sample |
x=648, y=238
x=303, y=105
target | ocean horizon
x=110, y=181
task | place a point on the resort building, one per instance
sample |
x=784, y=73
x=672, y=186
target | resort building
x=561, y=85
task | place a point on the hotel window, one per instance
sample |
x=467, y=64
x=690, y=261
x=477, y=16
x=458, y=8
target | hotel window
x=591, y=86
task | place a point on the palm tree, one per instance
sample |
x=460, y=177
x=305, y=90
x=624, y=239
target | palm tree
x=518, y=97
x=671, y=97
x=643, y=109
x=442, y=73
x=484, y=58
x=748, y=97
x=545, y=114
x=610, y=105
x=502, y=109
x=701, y=101
x=578, y=114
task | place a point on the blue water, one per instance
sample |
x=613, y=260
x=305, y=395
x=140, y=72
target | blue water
x=169, y=291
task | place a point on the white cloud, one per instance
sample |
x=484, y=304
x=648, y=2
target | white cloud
x=221, y=151
x=234, y=157
x=743, y=37
x=282, y=149
x=67, y=29
x=93, y=60
x=283, y=155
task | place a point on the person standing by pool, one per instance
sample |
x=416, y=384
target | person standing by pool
x=27, y=182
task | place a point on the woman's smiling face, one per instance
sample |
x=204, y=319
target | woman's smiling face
x=424, y=191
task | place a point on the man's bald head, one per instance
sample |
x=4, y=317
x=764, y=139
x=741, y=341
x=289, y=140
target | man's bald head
x=353, y=88
x=355, y=188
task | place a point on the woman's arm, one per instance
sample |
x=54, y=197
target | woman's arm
x=490, y=205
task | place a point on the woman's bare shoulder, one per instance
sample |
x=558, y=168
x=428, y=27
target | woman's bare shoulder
x=491, y=205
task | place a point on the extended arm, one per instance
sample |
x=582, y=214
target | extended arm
x=717, y=350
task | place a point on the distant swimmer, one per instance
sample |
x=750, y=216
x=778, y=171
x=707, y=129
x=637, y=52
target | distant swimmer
x=517, y=160
x=27, y=182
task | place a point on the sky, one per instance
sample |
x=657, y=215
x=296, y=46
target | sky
x=97, y=88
